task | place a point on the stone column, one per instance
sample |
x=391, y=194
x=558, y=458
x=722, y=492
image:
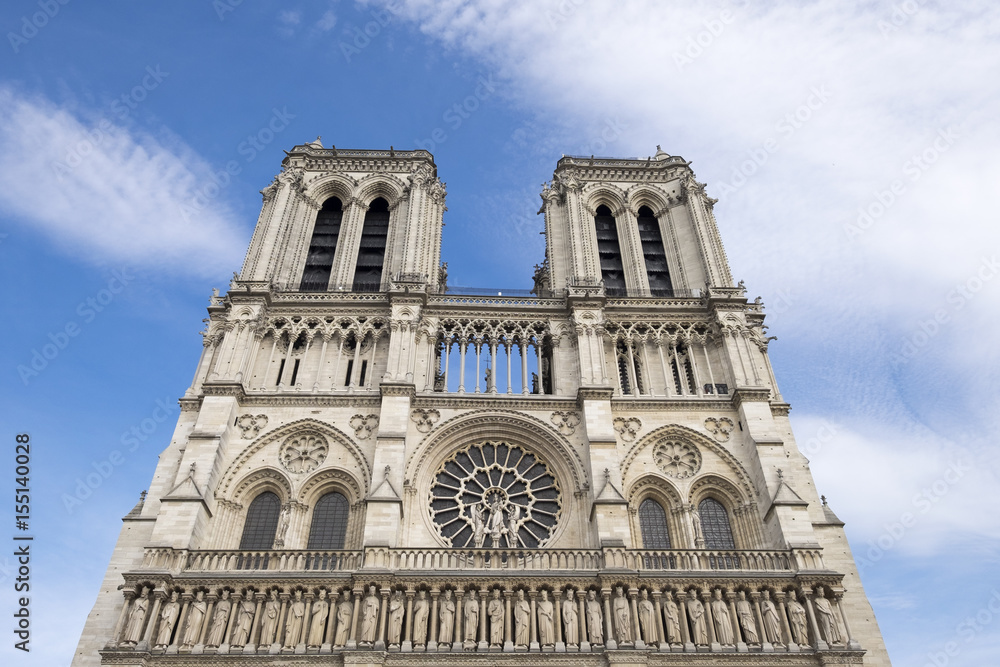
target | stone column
x=761, y=630
x=254, y=627
x=208, y=619
x=790, y=642
x=407, y=645
x=352, y=640
x=331, y=620
x=581, y=615
x=734, y=620
x=609, y=629
x=636, y=637
x=457, y=636
x=532, y=623
x=557, y=620
x=685, y=626
x=306, y=621
x=280, y=625
x=483, y=644
x=116, y=637
x=706, y=601
x=508, y=645
x=432, y=643
x=818, y=638
x=383, y=611
x=661, y=633
x=851, y=642
x=158, y=598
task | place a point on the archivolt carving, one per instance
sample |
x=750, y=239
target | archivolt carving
x=328, y=185
x=712, y=482
x=269, y=478
x=655, y=485
x=604, y=194
x=373, y=186
x=309, y=425
x=317, y=484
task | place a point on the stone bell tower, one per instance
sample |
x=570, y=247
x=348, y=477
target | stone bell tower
x=373, y=468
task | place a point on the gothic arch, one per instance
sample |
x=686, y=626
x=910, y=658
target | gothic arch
x=331, y=185
x=644, y=195
x=611, y=196
x=711, y=485
x=324, y=481
x=326, y=430
x=373, y=186
x=259, y=481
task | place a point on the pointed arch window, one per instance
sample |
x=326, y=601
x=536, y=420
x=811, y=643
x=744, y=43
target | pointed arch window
x=653, y=525
x=612, y=271
x=329, y=522
x=654, y=253
x=715, y=525
x=371, y=253
x=261, y=523
x=323, y=247
x=628, y=362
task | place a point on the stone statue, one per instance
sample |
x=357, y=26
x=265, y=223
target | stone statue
x=745, y=615
x=723, y=621
x=397, y=606
x=283, y=520
x=595, y=628
x=244, y=622
x=317, y=624
x=647, y=618
x=488, y=379
x=798, y=616
x=546, y=620
x=825, y=618
x=495, y=611
x=571, y=623
x=696, y=610
x=195, y=617
x=620, y=615
x=220, y=618
x=293, y=622
x=478, y=525
x=497, y=528
x=471, y=617
x=420, y=612
x=443, y=277
x=513, y=519
x=522, y=619
x=446, y=618
x=672, y=617
x=369, y=617
x=168, y=617
x=344, y=612
x=772, y=622
x=696, y=525
x=133, y=630
x=269, y=625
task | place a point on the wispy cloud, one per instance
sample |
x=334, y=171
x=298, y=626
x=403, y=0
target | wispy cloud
x=108, y=193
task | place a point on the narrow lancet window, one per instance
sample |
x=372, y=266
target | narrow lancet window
x=329, y=522
x=653, y=525
x=654, y=252
x=262, y=523
x=715, y=525
x=323, y=247
x=610, y=252
x=371, y=254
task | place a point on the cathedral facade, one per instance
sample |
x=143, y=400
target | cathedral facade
x=371, y=467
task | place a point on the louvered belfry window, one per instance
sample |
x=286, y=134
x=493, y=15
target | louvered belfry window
x=323, y=247
x=329, y=522
x=261, y=523
x=609, y=251
x=371, y=254
x=654, y=252
x=653, y=525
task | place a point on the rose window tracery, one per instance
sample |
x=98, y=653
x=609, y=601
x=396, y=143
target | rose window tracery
x=303, y=453
x=677, y=459
x=493, y=495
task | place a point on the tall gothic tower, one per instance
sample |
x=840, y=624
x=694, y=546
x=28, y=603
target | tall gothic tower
x=372, y=468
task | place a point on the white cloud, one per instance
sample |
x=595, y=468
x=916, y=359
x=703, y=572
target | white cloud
x=290, y=17
x=327, y=21
x=109, y=194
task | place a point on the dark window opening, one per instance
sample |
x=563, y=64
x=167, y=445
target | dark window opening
x=371, y=253
x=281, y=370
x=329, y=522
x=653, y=525
x=654, y=253
x=364, y=369
x=350, y=368
x=261, y=523
x=612, y=271
x=715, y=525
x=295, y=372
x=323, y=247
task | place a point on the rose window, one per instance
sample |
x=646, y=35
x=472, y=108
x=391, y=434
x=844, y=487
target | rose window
x=303, y=453
x=494, y=495
x=677, y=459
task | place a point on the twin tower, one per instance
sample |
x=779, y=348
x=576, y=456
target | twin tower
x=372, y=467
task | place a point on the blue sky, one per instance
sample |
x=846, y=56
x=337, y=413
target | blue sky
x=852, y=148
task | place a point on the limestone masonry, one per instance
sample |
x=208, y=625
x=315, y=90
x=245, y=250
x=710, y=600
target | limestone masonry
x=371, y=467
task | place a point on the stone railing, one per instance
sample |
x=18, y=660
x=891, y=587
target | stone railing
x=483, y=559
x=180, y=560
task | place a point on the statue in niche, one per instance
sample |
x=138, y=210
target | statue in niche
x=133, y=630
x=369, y=617
x=723, y=621
x=826, y=620
x=621, y=616
x=534, y=383
x=168, y=617
x=344, y=611
x=420, y=612
x=269, y=626
x=488, y=379
x=446, y=618
x=317, y=624
x=571, y=623
x=283, y=520
x=772, y=622
x=647, y=618
x=471, y=618
x=546, y=621
x=195, y=617
x=497, y=528
x=495, y=611
x=397, y=605
x=293, y=623
x=696, y=610
x=745, y=615
x=672, y=616
x=244, y=622
x=513, y=521
x=478, y=525
x=595, y=627
x=522, y=619
x=798, y=616
x=220, y=618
